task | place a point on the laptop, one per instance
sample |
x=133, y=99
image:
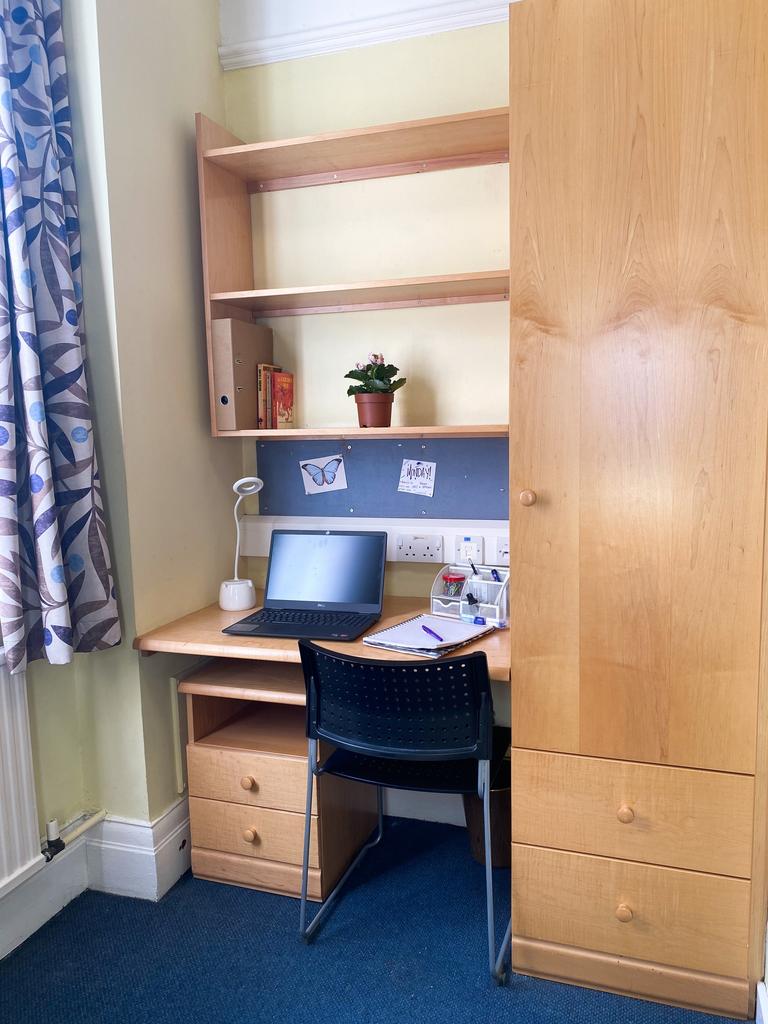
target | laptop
x=321, y=585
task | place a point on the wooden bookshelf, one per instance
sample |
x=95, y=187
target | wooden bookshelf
x=445, y=289
x=407, y=147
x=358, y=433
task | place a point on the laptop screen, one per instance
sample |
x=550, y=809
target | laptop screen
x=337, y=570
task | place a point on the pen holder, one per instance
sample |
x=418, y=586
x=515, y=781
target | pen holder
x=489, y=597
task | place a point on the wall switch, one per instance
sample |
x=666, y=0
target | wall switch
x=422, y=547
x=470, y=549
x=501, y=554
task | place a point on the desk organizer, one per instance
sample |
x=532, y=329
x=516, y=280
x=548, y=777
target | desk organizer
x=491, y=597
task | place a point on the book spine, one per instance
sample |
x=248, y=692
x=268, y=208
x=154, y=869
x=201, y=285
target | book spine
x=268, y=403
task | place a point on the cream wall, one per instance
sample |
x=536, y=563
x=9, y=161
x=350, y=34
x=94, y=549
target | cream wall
x=138, y=73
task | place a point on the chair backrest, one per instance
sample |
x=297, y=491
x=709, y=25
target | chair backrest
x=436, y=710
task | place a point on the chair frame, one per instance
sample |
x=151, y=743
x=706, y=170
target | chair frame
x=308, y=931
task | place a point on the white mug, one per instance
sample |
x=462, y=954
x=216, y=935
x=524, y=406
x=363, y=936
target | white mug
x=237, y=595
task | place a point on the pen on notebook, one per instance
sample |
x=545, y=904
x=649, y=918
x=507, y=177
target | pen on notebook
x=432, y=633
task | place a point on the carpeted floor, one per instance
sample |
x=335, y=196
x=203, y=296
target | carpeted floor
x=405, y=944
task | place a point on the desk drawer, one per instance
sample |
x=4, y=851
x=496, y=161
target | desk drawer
x=277, y=780
x=681, y=918
x=276, y=835
x=268, y=875
x=673, y=816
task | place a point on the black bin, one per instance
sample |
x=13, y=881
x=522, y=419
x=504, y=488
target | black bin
x=501, y=820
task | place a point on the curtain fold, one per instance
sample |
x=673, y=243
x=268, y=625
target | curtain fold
x=57, y=592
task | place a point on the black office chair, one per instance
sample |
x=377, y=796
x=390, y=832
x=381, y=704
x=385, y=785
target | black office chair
x=407, y=725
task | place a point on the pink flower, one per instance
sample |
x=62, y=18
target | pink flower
x=360, y=366
x=376, y=358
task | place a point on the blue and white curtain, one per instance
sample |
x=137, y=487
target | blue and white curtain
x=57, y=593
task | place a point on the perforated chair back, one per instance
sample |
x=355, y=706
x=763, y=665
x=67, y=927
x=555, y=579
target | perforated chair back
x=441, y=710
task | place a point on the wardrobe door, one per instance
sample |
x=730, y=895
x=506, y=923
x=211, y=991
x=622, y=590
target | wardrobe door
x=638, y=397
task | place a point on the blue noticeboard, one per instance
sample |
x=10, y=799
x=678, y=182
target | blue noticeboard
x=470, y=479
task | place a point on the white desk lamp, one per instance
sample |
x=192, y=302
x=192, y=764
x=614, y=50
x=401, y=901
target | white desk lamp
x=238, y=595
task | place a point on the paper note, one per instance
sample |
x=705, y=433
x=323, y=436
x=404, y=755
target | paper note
x=417, y=478
x=321, y=475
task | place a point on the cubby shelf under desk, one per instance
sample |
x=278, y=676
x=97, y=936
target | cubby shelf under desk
x=246, y=759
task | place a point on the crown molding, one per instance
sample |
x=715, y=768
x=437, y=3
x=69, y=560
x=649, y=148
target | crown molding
x=426, y=19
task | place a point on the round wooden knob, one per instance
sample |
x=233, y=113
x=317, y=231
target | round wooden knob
x=250, y=835
x=528, y=498
x=624, y=913
x=625, y=814
x=248, y=782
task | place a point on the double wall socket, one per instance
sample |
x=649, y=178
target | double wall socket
x=423, y=547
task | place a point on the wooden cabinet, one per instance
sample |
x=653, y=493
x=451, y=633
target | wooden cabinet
x=639, y=417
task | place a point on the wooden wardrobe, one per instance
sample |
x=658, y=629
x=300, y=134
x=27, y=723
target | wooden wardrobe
x=638, y=444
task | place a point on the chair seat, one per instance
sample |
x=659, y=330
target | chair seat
x=425, y=776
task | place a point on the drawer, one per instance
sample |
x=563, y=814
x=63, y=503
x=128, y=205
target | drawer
x=253, y=871
x=251, y=831
x=672, y=816
x=248, y=777
x=681, y=918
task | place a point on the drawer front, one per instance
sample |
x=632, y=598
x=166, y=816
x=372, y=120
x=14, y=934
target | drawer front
x=681, y=918
x=247, y=777
x=251, y=831
x=252, y=871
x=672, y=816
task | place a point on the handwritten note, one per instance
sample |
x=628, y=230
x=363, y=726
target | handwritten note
x=417, y=478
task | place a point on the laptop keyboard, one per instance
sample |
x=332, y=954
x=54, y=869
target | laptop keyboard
x=305, y=617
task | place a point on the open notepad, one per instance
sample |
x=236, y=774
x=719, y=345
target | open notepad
x=410, y=638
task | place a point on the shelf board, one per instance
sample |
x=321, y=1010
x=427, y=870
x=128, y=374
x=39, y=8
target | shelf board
x=358, y=433
x=406, y=147
x=445, y=289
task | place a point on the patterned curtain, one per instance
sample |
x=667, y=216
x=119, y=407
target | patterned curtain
x=56, y=588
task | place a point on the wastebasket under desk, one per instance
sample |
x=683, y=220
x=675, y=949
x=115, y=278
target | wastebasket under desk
x=247, y=769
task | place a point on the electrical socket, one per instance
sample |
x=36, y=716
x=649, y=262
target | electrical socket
x=501, y=555
x=423, y=547
x=470, y=549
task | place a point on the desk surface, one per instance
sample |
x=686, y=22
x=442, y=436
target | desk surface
x=201, y=634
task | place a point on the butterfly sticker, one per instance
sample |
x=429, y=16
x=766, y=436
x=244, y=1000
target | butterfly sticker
x=324, y=475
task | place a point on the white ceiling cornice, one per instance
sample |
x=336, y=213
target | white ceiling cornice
x=276, y=30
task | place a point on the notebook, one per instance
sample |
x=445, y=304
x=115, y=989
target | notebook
x=409, y=638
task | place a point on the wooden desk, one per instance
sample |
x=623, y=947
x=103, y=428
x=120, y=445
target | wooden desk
x=246, y=755
x=201, y=634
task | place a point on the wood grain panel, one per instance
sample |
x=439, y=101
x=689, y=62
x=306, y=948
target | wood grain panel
x=676, y=817
x=267, y=875
x=279, y=835
x=681, y=918
x=279, y=782
x=545, y=294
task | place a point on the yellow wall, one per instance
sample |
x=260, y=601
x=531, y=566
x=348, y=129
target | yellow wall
x=138, y=73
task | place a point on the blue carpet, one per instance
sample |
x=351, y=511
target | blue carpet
x=405, y=944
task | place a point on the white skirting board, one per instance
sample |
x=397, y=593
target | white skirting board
x=128, y=858
x=140, y=858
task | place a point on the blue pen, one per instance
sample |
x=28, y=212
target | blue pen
x=496, y=576
x=432, y=633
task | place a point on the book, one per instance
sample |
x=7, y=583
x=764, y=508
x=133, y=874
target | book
x=237, y=349
x=410, y=638
x=264, y=388
x=282, y=400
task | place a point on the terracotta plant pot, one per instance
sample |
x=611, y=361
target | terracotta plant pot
x=374, y=410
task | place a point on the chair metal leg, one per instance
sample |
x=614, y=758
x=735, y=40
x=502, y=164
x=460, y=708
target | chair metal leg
x=311, y=769
x=484, y=776
x=307, y=931
x=498, y=971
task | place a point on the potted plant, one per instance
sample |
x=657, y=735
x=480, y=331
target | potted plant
x=375, y=391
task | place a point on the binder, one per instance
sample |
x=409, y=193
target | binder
x=238, y=347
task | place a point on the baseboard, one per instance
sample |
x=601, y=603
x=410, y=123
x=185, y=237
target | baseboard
x=761, y=1005
x=626, y=976
x=142, y=859
x=40, y=897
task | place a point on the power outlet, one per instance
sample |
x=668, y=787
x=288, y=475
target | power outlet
x=423, y=547
x=501, y=554
x=470, y=549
